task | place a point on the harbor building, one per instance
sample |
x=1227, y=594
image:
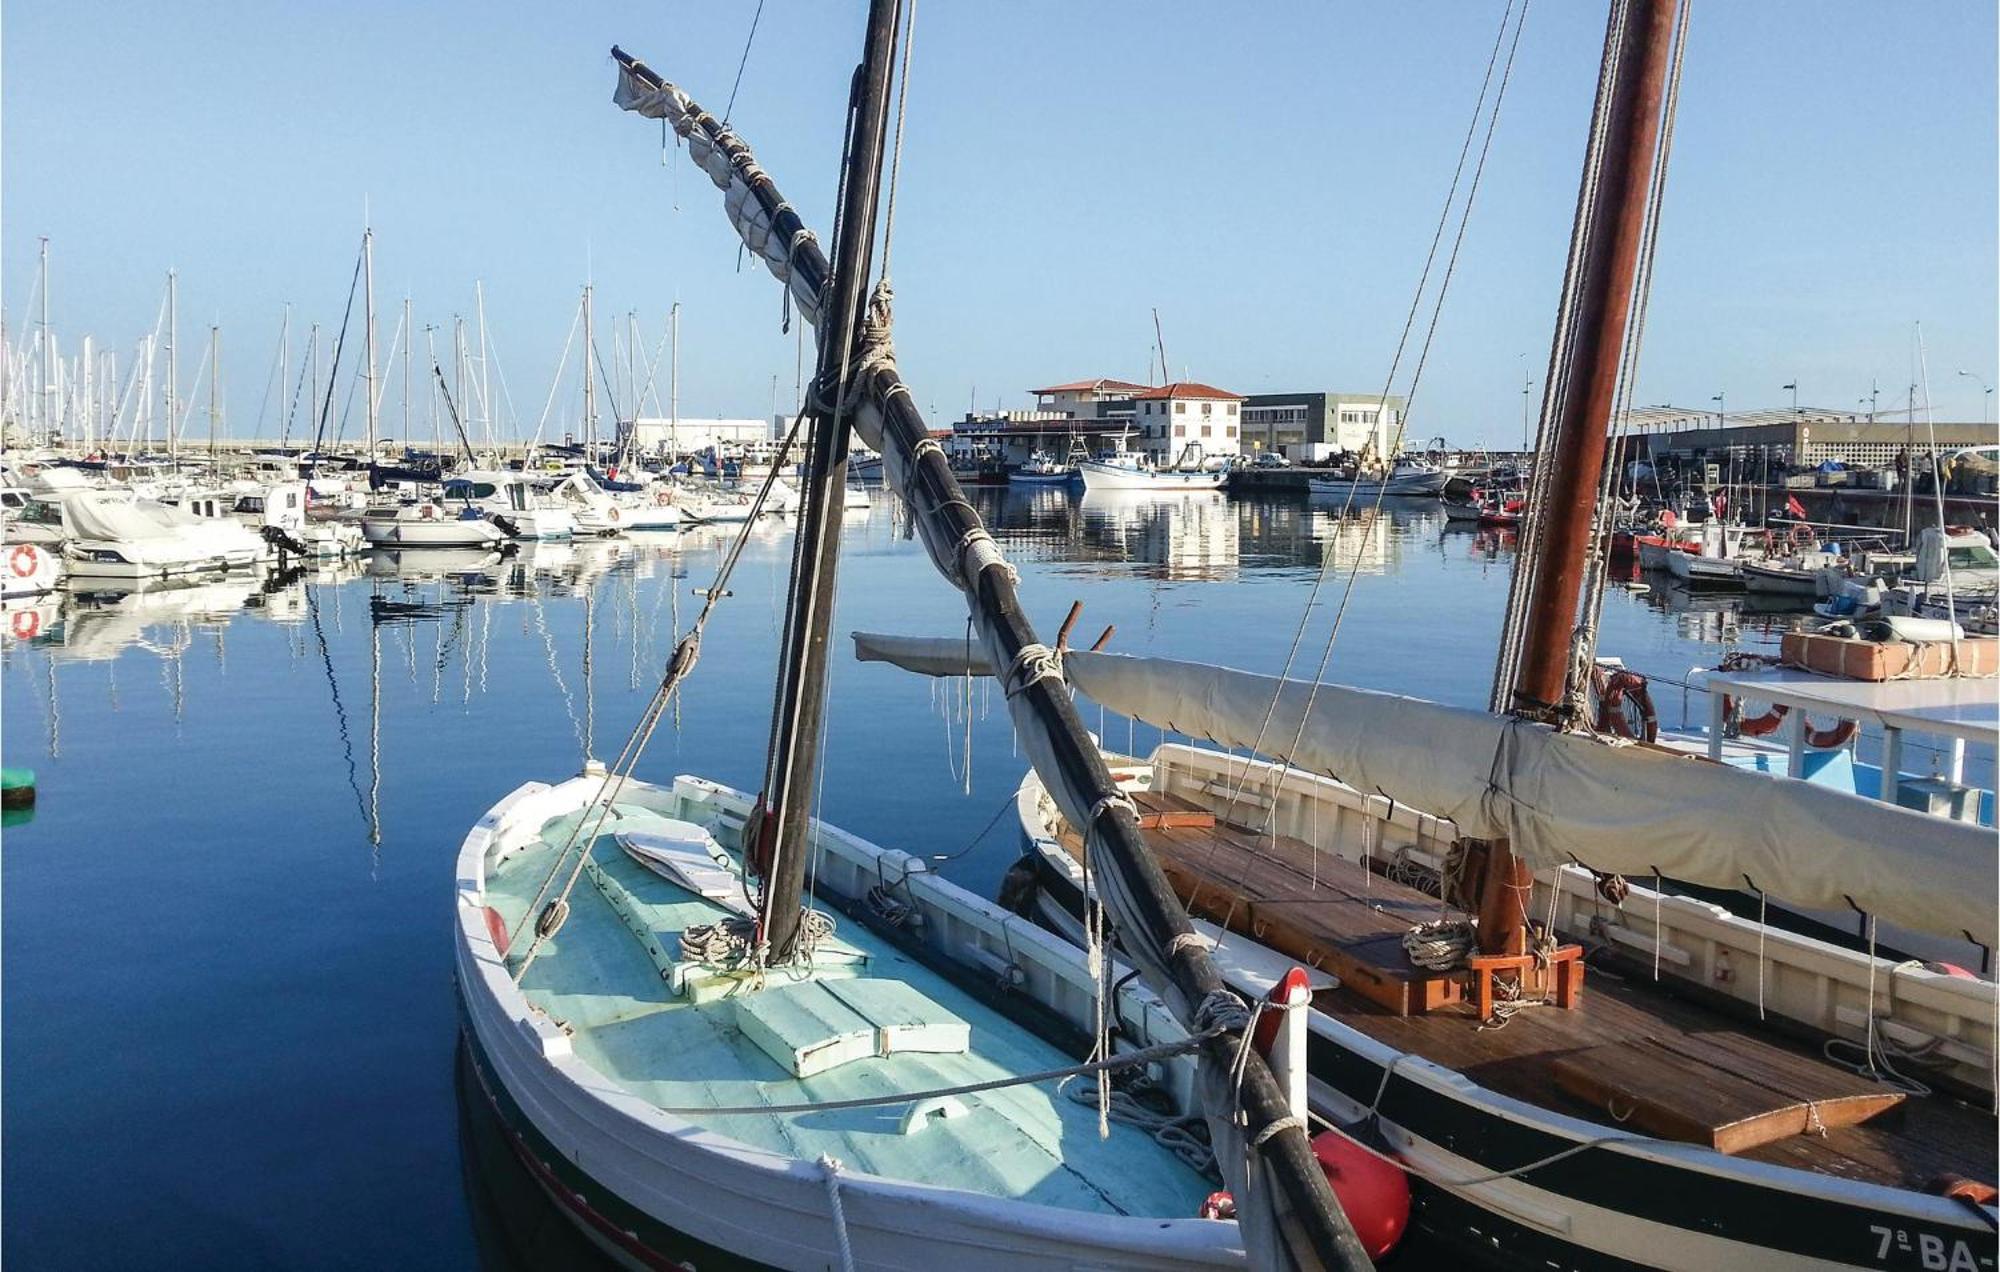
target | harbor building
x=688, y=436
x=1314, y=425
x=1803, y=440
x=1098, y=399
x=1172, y=417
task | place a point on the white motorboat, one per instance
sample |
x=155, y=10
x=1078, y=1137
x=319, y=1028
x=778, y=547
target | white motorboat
x=654, y=507
x=277, y=514
x=512, y=502
x=596, y=510
x=1409, y=477
x=424, y=523
x=113, y=537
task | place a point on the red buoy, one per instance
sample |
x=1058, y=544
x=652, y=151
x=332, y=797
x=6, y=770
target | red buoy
x=1375, y=1194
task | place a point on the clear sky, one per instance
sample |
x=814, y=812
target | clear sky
x=1266, y=175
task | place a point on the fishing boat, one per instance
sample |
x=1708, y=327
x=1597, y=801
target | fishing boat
x=1042, y=469
x=703, y=1068
x=1732, y=1094
x=1122, y=469
x=1410, y=477
x=1719, y=562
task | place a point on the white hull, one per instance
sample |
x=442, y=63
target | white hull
x=1102, y=476
x=1420, y=486
x=773, y=1209
x=1554, y=1218
x=28, y=570
x=94, y=559
x=1779, y=580
x=443, y=532
x=1689, y=568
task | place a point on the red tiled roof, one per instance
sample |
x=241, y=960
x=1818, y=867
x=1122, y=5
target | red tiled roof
x=1086, y=386
x=1189, y=389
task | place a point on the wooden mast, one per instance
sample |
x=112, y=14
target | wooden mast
x=1613, y=225
x=792, y=762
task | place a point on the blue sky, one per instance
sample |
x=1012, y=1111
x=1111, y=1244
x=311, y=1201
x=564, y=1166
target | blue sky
x=1267, y=176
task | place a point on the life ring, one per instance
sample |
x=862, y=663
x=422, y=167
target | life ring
x=26, y=624
x=1836, y=735
x=663, y=498
x=430, y=512
x=614, y=514
x=1624, y=704
x=22, y=561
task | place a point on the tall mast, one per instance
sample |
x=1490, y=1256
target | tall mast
x=1614, y=225
x=674, y=383
x=285, y=370
x=87, y=418
x=48, y=352
x=786, y=802
x=1587, y=357
x=409, y=338
x=633, y=388
x=314, y=356
x=173, y=358
x=485, y=382
x=589, y=386
x=214, y=383
x=368, y=275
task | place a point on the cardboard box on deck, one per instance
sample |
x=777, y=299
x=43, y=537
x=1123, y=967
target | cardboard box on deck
x=1890, y=659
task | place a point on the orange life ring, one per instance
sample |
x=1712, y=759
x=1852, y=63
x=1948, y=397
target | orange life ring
x=430, y=512
x=21, y=560
x=1615, y=687
x=26, y=624
x=663, y=498
x=614, y=514
x=1827, y=739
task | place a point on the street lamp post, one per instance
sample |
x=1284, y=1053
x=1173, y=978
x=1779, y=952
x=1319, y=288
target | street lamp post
x=1721, y=411
x=1985, y=394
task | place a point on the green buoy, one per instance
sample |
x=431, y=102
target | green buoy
x=17, y=788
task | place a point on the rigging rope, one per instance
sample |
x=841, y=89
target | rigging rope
x=1444, y=216
x=1596, y=576
x=686, y=652
x=743, y=61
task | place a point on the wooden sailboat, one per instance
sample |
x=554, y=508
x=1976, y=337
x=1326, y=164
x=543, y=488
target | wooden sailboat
x=701, y=1070
x=1734, y=1095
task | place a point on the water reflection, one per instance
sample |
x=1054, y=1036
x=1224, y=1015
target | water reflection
x=1200, y=536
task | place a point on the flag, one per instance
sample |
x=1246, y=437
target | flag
x=1793, y=506
x=1718, y=504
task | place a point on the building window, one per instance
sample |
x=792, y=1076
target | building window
x=1230, y=431
x=1204, y=430
x=1232, y=408
x=1207, y=407
x=1180, y=408
x=1180, y=430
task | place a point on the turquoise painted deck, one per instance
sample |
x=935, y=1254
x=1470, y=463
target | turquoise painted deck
x=1024, y=1142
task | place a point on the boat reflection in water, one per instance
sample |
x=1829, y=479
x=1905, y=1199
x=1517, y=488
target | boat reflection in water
x=1199, y=536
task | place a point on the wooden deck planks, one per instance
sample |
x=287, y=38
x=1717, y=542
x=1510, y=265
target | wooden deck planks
x=1227, y=872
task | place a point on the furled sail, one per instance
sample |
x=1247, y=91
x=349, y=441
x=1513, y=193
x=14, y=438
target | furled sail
x=1559, y=797
x=1282, y=1197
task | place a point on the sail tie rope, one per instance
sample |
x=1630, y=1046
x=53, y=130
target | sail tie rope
x=1032, y=664
x=829, y=1166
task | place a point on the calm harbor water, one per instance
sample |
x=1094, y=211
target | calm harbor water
x=229, y=1024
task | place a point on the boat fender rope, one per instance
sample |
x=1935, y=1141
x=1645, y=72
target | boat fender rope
x=1277, y=1126
x=1116, y=799
x=927, y=446
x=829, y=1166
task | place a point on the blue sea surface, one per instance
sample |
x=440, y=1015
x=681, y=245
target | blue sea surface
x=228, y=1025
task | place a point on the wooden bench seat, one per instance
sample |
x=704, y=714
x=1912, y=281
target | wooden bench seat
x=1725, y=1091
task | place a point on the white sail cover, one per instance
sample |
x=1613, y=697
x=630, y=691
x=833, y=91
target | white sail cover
x=1562, y=797
x=1558, y=797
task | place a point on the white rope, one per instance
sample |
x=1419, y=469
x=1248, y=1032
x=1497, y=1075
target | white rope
x=1032, y=664
x=1172, y=1132
x=829, y=1166
x=1440, y=946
